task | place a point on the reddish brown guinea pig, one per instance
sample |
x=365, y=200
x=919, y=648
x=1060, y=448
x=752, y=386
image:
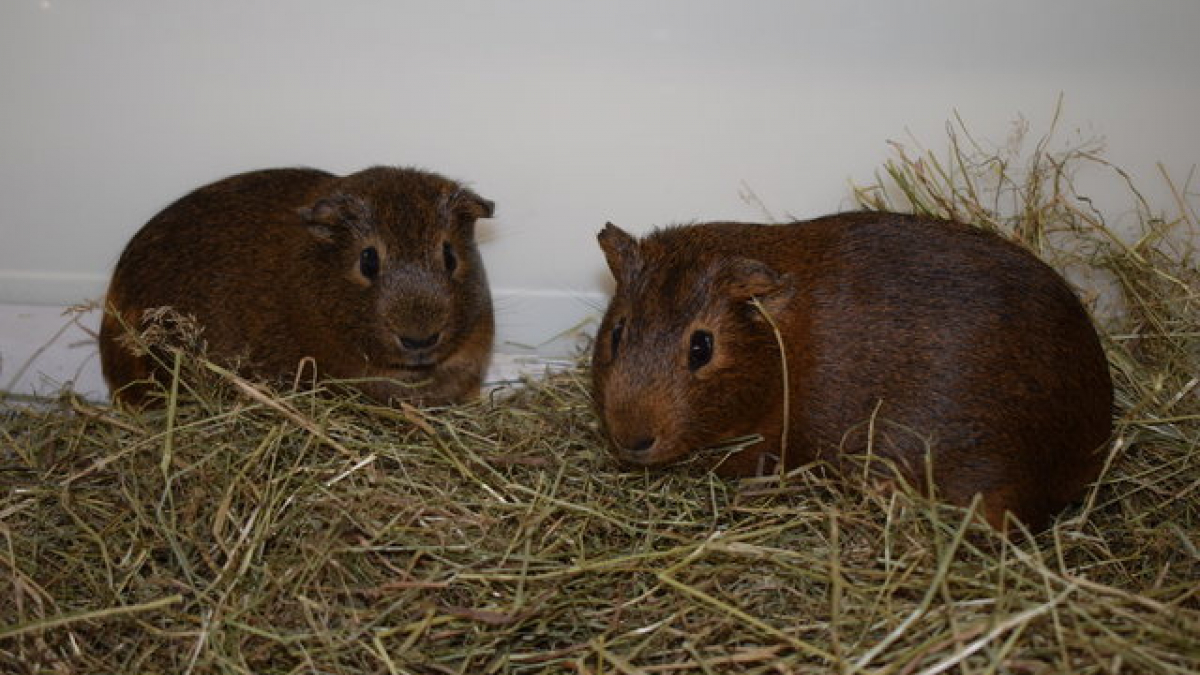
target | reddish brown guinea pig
x=374, y=277
x=912, y=335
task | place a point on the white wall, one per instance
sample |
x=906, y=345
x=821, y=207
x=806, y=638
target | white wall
x=567, y=114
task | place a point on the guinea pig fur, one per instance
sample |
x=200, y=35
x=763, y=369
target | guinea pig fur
x=957, y=343
x=374, y=276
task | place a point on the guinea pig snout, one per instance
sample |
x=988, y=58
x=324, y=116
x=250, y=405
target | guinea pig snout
x=642, y=444
x=418, y=327
x=640, y=427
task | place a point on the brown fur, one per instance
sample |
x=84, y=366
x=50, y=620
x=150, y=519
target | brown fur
x=945, y=337
x=268, y=262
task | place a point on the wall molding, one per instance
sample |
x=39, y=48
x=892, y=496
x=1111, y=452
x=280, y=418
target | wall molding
x=24, y=287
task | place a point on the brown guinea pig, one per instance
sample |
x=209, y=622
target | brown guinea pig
x=902, y=335
x=374, y=275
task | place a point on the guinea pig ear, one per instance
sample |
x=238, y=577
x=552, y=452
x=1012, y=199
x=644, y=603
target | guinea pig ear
x=747, y=279
x=621, y=251
x=332, y=213
x=483, y=208
x=464, y=207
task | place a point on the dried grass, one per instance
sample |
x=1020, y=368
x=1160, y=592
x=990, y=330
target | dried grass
x=239, y=530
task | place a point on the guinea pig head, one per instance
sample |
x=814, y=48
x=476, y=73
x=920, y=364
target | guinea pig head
x=684, y=359
x=410, y=284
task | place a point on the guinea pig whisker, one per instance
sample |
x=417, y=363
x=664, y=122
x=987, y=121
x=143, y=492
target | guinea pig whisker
x=783, y=365
x=727, y=448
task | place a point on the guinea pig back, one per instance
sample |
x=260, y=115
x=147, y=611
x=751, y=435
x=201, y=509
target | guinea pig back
x=373, y=277
x=908, y=335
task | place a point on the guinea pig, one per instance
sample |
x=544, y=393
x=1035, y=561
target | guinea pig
x=374, y=277
x=903, y=336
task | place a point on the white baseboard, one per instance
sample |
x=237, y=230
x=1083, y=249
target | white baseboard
x=44, y=348
x=22, y=287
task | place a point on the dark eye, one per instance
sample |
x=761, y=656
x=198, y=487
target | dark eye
x=368, y=262
x=615, y=337
x=448, y=257
x=700, y=351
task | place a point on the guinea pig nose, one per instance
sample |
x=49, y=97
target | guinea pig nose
x=641, y=446
x=416, y=343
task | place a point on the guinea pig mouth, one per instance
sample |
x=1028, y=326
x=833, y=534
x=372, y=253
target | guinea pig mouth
x=422, y=366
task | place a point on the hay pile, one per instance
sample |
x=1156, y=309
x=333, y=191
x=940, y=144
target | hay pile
x=242, y=531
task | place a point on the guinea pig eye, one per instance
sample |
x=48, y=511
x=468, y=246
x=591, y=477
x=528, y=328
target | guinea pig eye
x=700, y=350
x=368, y=262
x=449, y=258
x=615, y=337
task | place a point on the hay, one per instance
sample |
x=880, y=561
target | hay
x=239, y=530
